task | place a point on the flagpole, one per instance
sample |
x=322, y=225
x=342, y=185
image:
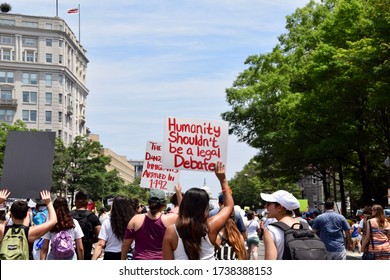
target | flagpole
x=56, y=8
x=79, y=24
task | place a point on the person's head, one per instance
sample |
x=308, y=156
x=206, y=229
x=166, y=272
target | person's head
x=378, y=214
x=250, y=215
x=64, y=219
x=367, y=211
x=220, y=199
x=316, y=213
x=234, y=236
x=297, y=213
x=102, y=210
x=280, y=204
x=192, y=221
x=157, y=201
x=81, y=199
x=329, y=205
x=137, y=207
x=19, y=209
x=121, y=213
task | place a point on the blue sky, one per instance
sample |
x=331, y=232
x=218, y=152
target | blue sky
x=155, y=58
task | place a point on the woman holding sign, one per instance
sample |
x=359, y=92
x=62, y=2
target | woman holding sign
x=194, y=235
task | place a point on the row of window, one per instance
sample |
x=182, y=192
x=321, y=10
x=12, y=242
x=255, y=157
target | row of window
x=28, y=78
x=28, y=41
x=31, y=24
x=28, y=56
x=7, y=115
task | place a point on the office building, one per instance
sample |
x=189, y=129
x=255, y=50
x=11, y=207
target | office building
x=43, y=71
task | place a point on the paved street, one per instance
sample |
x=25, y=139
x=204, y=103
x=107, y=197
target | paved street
x=350, y=255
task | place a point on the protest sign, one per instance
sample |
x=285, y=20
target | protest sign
x=28, y=163
x=154, y=176
x=195, y=145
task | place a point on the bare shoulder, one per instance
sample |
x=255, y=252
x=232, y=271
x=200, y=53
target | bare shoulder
x=169, y=220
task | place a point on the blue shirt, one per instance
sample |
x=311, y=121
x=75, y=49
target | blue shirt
x=331, y=226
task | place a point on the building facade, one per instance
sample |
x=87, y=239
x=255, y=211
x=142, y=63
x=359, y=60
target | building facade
x=43, y=72
x=120, y=163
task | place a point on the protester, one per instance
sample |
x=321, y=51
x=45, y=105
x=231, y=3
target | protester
x=194, y=235
x=253, y=240
x=113, y=230
x=239, y=221
x=137, y=207
x=367, y=210
x=65, y=223
x=19, y=214
x=280, y=206
x=175, y=203
x=147, y=230
x=88, y=221
x=103, y=215
x=356, y=237
x=331, y=226
x=380, y=234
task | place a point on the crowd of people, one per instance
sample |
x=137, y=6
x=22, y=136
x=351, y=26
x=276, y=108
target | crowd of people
x=189, y=231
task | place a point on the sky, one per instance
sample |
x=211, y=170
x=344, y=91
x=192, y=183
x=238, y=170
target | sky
x=157, y=58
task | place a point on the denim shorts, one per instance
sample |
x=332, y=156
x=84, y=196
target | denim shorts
x=253, y=241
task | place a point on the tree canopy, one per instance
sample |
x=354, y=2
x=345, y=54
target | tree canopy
x=320, y=98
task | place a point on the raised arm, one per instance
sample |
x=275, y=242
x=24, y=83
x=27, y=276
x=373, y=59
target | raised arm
x=217, y=222
x=4, y=194
x=178, y=194
x=37, y=231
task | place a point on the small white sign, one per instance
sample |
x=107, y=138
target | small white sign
x=154, y=176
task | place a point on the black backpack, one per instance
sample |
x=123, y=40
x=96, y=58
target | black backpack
x=86, y=227
x=301, y=243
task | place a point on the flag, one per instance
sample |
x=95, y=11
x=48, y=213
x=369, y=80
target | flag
x=73, y=11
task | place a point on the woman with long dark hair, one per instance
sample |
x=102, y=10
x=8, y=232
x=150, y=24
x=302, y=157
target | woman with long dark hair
x=194, y=235
x=147, y=229
x=113, y=230
x=377, y=230
x=65, y=222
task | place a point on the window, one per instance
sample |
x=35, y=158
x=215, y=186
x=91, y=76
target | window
x=30, y=24
x=59, y=134
x=29, y=115
x=6, y=115
x=29, y=56
x=8, y=22
x=6, y=77
x=48, y=80
x=60, y=43
x=48, y=116
x=7, y=40
x=6, y=95
x=48, y=98
x=61, y=79
x=6, y=54
x=29, y=97
x=49, y=58
x=49, y=26
x=59, y=116
x=60, y=98
x=30, y=78
x=29, y=42
x=60, y=59
x=49, y=42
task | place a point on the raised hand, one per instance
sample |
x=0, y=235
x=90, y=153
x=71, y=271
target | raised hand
x=4, y=194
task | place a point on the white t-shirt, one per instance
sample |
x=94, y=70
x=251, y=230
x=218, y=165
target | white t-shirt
x=252, y=226
x=75, y=232
x=113, y=244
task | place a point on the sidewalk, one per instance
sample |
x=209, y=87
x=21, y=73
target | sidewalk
x=350, y=255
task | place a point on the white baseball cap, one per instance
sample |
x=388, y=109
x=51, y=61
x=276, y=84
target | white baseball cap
x=284, y=198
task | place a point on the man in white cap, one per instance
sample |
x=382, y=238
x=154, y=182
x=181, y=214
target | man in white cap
x=280, y=205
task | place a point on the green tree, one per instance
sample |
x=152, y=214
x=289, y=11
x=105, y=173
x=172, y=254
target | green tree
x=320, y=98
x=82, y=166
x=5, y=7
